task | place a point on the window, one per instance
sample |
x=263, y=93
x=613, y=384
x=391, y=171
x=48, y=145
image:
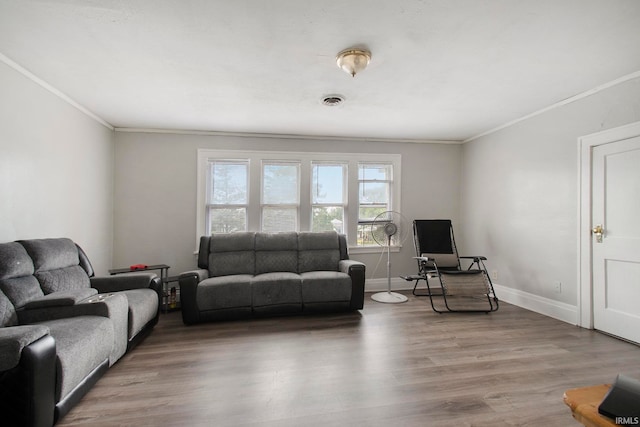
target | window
x=374, y=197
x=302, y=191
x=227, y=196
x=280, y=196
x=328, y=196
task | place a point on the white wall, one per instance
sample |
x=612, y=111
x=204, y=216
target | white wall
x=520, y=197
x=56, y=169
x=155, y=191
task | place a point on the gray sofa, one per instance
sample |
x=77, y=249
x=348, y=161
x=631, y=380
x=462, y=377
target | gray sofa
x=61, y=328
x=248, y=273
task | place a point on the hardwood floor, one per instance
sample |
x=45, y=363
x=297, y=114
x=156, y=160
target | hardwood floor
x=387, y=365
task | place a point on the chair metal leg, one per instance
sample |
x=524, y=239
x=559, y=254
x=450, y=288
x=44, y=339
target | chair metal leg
x=416, y=285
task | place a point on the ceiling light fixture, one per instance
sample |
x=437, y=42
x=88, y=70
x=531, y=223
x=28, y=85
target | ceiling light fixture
x=353, y=60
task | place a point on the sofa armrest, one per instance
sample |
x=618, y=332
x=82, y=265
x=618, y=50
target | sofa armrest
x=91, y=306
x=188, y=291
x=356, y=270
x=61, y=298
x=14, y=339
x=124, y=282
x=200, y=274
x=346, y=265
x=27, y=375
x=127, y=281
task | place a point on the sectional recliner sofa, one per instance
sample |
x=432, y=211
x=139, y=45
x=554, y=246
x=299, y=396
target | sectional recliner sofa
x=244, y=274
x=61, y=327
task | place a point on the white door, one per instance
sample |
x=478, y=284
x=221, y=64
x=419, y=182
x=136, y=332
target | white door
x=616, y=248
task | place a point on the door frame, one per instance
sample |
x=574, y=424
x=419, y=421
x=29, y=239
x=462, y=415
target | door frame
x=586, y=145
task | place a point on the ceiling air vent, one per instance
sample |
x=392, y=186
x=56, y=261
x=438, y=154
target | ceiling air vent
x=332, y=100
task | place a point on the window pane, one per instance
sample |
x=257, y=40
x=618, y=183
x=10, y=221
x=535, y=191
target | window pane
x=364, y=236
x=279, y=219
x=328, y=218
x=374, y=198
x=228, y=183
x=327, y=184
x=280, y=184
x=374, y=193
x=368, y=213
x=223, y=220
x=374, y=172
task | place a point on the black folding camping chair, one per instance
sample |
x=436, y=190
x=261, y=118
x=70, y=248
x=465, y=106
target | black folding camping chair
x=449, y=286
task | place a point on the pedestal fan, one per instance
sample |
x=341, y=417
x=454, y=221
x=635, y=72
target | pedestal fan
x=387, y=228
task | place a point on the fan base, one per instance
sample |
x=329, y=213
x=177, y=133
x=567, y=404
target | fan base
x=389, y=297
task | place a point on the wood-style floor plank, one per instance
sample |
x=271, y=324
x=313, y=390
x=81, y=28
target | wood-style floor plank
x=390, y=364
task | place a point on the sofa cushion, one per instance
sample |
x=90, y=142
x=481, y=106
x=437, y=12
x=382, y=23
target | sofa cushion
x=82, y=344
x=21, y=290
x=232, y=254
x=143, y=307
x=63, y=279
x=8, y=316
x=16, y=275
x=57, y=264
x=318, y=251
x=14, y=261
x=276, y=288
x=276, y=252
x=51, y=254
x=224, y=292
x=325, y=286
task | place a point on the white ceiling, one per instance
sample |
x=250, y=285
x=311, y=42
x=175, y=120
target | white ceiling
x=440, y=69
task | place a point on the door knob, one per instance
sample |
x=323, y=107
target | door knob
x=598, y=231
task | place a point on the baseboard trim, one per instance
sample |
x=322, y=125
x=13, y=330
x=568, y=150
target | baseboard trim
x=558, y=310
x=548, y=307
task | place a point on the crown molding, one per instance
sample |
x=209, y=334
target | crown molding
x=28, y=74
x=285, y=136
x=558, y=104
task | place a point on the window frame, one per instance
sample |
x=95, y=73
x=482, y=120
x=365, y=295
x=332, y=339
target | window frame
x=204, y=155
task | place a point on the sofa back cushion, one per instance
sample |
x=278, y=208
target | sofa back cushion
x=277, y=252
x=232, y=253
x=63, y=279
x=57, y=264
x=318, y=251
x=8, y=316
x=16, y=275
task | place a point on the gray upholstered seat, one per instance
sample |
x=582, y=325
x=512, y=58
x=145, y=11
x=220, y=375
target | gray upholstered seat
x=83, y=344
x=224, y=292
x=57, y=336
x=54, y=362
x=320, y=287
x=276, y=292
x=271, y=273
x=142, y=308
